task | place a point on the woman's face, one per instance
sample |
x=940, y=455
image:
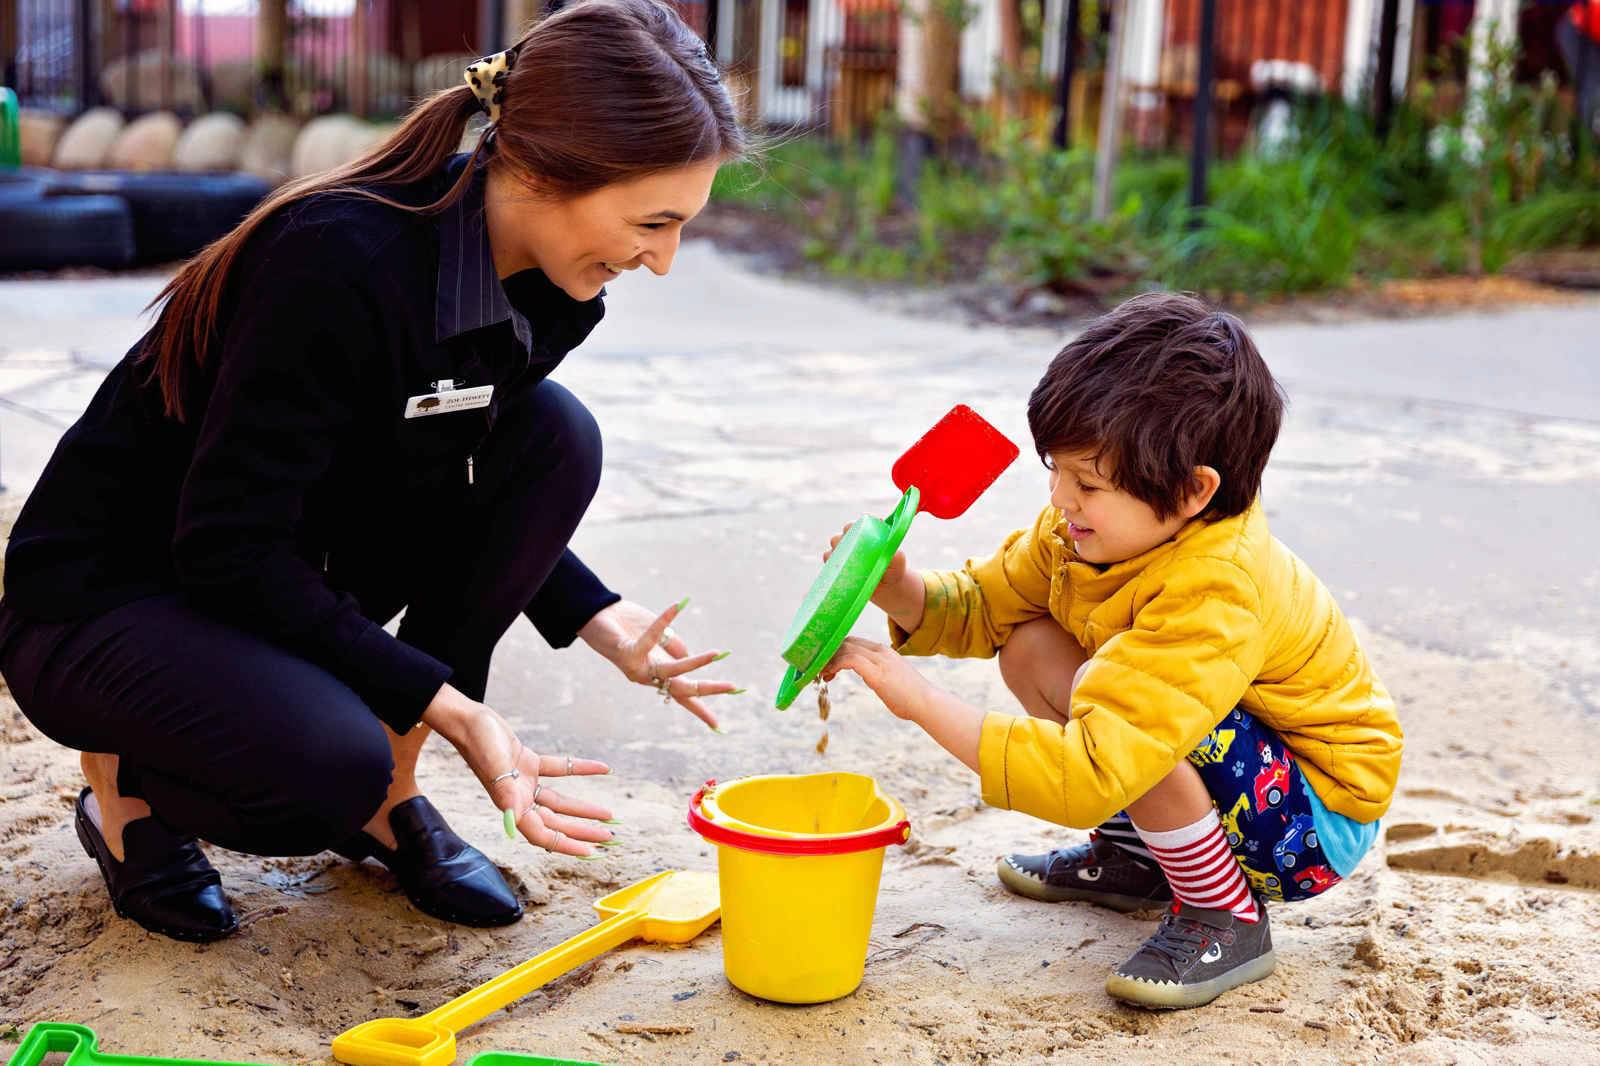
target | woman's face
x=585, y=241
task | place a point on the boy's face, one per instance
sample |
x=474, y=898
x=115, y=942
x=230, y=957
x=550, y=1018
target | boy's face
x=1106, y=524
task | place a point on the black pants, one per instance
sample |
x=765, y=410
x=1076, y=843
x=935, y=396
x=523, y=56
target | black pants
x=240, y=743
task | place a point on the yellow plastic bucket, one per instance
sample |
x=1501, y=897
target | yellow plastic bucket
x=798, y=860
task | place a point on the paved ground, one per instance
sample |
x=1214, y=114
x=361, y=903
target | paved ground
x=1442, y=475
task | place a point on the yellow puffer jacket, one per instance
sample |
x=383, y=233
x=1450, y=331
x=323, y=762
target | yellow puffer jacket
x=1222, y=615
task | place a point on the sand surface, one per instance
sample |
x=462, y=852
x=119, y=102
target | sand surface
x=1469, y=935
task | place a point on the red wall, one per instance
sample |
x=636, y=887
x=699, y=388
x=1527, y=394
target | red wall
x=1307, y=31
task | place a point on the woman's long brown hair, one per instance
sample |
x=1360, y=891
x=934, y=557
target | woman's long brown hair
x=602, y=91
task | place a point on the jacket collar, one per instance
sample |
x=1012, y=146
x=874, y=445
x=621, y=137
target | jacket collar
x=1098, y=583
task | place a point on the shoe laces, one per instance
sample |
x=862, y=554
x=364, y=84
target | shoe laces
x=1178, y=938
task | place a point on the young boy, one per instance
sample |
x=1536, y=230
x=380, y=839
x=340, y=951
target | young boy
x=1191, y=687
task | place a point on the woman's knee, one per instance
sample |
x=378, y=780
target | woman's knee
x=1041, y=663
x=356, y=775
x=574, y=436
x=326, y=790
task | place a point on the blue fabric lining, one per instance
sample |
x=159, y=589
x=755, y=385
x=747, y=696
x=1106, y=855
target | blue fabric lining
x=1344, y=840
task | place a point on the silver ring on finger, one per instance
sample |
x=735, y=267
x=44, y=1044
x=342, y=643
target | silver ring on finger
x=569, y=766
x=555, y=840
x=536, y=790
x=511, y=774
x=664, y=686
x=667, y=634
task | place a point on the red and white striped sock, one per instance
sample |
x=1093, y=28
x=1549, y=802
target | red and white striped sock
x=1201, y=868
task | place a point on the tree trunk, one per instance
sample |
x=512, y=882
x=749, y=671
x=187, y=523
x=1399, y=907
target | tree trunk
x=1010, y=59
x=1105, y=158
x=941, y=69
x=272, y=48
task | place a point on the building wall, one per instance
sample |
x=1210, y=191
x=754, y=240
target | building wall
x=1304, y=31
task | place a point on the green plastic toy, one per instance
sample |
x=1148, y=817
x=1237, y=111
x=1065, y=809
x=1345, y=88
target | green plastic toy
x=10, y=130
x=840, y=593
x=943, y=473
x=511, y=1058
x=78, y=1043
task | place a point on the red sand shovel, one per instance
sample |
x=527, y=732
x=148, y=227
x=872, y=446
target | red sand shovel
x=943, y=473
x=954, y=462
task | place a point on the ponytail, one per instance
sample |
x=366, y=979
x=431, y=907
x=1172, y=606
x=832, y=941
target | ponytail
x=602, y=91
x=182, y=338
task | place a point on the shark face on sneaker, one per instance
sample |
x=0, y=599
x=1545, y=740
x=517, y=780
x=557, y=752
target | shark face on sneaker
x=1097, y=871
x=1193, y=957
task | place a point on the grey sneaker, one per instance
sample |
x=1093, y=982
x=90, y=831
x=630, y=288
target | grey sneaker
x=1095, y=872
x=1194, y=957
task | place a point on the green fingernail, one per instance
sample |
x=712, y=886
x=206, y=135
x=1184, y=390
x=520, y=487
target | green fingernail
x=718, y=730
x=735, y=692
x=683, y=603
x=588, y=858
x=613, y=821
x=510, y=817
x=610, y=844
x=721, y=657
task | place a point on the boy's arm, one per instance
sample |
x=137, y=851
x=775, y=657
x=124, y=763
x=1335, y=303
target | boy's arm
x=1148, y=697
x=969, y=613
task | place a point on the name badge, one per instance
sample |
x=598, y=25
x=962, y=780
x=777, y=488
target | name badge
x=448, y=399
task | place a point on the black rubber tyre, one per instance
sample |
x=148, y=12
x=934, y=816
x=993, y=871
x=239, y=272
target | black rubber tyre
x=174, y=215
x=15, y=190
x=45, y=233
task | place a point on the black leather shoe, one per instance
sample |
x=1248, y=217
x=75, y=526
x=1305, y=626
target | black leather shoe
x=163, y=881
x=439, y=872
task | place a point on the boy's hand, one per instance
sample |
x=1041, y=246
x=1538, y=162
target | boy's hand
x=901, y=688
x=899, y=595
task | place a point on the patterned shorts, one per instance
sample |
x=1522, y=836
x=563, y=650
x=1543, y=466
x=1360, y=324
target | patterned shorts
x=1265, y=811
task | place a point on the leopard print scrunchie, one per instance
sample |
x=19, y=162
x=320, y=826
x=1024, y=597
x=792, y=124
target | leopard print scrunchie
x=487, y=79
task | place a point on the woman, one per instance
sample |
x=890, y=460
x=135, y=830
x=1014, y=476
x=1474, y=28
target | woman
x=343, y=411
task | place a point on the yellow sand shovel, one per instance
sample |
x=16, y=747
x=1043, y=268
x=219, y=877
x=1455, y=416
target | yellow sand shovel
x=673, y=907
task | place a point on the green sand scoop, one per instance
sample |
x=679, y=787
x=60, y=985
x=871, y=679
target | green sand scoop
x=78, y=1044
x=943, y=473
x=840, y=593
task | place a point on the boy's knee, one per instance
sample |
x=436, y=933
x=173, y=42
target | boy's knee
x=1077, y=675
x=1037, y=663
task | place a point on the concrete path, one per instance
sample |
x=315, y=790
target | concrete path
x=1442, y=475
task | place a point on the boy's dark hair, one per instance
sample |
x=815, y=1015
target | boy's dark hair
x=1156, y=387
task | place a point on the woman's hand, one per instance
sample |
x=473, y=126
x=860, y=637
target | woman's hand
x=901, y=688
x=546, y=818
x=641, y=645
x=899, y=594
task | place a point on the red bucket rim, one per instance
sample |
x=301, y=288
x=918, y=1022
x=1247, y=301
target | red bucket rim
x=898, y=833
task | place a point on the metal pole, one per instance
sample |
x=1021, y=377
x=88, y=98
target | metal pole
x=497, y=25
x=1062, y=135
x=1205, y=90
x=83, y=30
x=1580, y=77
x=10, y=27
x=206, y=88
x=1383, y=89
